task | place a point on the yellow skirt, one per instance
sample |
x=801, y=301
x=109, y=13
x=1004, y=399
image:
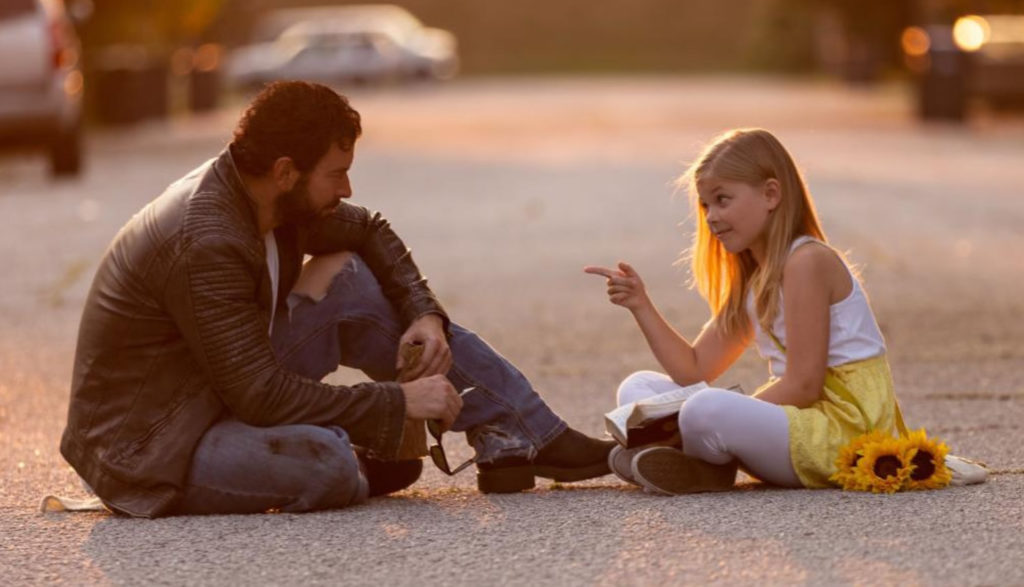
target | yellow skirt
x=858, y=397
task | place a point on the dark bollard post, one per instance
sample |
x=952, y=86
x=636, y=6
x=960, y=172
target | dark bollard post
x=154, y=87
x=114, y=74
x=205, y=78
x=942, y=85
x=131, y=85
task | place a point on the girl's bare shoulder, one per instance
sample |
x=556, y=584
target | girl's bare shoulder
x=815, y=261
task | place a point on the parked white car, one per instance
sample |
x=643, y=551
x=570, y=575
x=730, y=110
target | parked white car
x=346, y=44
x=41, y=82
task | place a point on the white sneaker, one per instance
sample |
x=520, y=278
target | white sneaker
x=668, y=471
x=620, y=461
x=965, y=471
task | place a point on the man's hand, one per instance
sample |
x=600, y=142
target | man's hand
x=625, y=287
x=427, y=330
x=432, y=398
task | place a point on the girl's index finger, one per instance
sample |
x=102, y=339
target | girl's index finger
x=593, y=270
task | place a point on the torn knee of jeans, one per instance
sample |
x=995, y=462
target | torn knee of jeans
x=314, y=293
x=496, y=441
x=320, y=275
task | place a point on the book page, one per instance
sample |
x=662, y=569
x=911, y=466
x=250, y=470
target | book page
x=663, y=404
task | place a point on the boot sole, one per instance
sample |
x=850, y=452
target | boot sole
x=567, y=475
x=505, y=479
x=515, y=479
x=670, y=472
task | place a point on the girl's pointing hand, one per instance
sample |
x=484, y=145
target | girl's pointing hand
x=625, y=287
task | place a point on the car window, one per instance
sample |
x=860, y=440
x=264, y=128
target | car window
x=16, y=8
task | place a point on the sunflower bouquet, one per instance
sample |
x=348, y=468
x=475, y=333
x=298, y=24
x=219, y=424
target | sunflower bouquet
x=881, y=463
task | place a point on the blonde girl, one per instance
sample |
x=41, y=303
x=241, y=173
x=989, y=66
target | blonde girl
x=762, y=262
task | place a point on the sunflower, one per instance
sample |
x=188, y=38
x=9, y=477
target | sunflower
x=846, y=463
x=927, y=460
x=884, y=466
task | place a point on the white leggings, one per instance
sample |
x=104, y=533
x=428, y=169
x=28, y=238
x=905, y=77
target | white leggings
x=718, y=425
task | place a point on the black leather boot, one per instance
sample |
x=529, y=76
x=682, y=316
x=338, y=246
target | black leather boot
x=571, y=456
x=386, y=477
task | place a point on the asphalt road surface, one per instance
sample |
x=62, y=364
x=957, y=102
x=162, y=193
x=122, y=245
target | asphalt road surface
x=505, y=189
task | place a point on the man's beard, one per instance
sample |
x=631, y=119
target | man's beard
x=293, y=207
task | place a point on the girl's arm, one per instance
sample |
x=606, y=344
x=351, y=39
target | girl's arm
x=705, y=360
x=812, y=280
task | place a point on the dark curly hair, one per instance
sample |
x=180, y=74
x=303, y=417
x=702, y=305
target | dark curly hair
x=294, y=119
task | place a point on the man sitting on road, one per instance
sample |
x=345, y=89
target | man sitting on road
x=196, y=384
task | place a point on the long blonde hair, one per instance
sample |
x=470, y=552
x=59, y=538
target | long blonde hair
x=752, y=156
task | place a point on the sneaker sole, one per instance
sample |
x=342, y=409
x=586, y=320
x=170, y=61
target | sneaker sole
x=670, y=472
x=620, y=461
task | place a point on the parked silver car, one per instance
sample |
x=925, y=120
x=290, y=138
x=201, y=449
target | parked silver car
x=356, y=43
x=41, y=82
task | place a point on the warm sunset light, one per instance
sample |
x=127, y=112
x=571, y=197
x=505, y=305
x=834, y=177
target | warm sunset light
x=491, y=292
x=915, y=41
x=971, y=32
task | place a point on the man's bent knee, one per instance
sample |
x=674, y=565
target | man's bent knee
x=333, y=478
x=391, y=476
x=318, y=273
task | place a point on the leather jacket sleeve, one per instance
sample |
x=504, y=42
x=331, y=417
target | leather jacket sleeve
x=210, y=296
x=354, y=228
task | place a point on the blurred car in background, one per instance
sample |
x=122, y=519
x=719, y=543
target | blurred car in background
x=345, y=44
x=979, y=57
x=41, y=82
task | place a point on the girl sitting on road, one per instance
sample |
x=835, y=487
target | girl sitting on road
x=761, y=260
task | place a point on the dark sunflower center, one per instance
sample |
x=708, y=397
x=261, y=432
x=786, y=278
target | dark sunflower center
x=924, y=466
x=887, y=466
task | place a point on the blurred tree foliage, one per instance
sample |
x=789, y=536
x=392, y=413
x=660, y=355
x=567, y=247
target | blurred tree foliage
x=578, y=35
x=590, y=35
x=155, y=24
x=866, y=33
x=946, y=11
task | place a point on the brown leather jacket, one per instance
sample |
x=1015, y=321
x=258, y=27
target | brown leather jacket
x=174, y=337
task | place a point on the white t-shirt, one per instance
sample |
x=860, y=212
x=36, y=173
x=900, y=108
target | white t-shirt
x=853, y=332
x=274, y=268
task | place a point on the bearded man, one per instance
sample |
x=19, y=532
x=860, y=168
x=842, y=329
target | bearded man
x=197, y=377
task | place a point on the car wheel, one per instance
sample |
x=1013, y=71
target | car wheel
x=66, y=153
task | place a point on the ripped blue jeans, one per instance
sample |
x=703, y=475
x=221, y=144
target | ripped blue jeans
x=354, y=325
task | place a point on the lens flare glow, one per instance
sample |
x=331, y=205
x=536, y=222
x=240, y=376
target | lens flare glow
x=915, y=41
x=970, y=33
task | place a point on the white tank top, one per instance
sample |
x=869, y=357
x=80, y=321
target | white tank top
x=853, y=332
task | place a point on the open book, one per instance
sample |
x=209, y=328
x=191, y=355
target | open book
x=650, y=420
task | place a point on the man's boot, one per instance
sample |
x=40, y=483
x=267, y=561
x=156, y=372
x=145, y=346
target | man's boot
x=386, y=477
x=571, y=456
